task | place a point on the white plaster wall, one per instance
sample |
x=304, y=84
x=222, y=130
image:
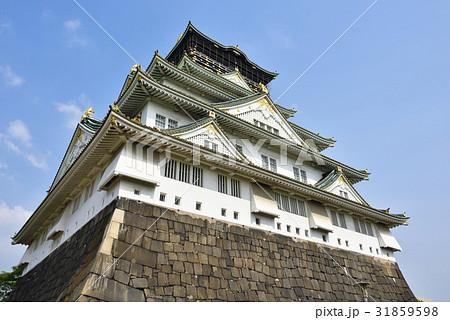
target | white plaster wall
x=194, y=93
x=152, y=108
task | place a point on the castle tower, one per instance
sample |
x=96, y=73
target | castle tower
x=197, y=186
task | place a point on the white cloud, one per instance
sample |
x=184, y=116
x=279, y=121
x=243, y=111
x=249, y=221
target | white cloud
x=280, y=38
x=10, y=78
x=37, y=162
x=72, y=110
x=15, y=216
x=72, y=25
x=18, y=130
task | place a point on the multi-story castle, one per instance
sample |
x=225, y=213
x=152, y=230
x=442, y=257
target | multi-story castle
x=197, y=136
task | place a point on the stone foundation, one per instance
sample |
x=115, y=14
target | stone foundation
x=185, y=257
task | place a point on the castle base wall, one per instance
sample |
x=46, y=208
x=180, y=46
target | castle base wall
x=185, y=257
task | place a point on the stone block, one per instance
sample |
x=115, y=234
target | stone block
x=122, y=277
x=139, y=283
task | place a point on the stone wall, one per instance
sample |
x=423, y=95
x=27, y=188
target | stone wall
x=185, y=257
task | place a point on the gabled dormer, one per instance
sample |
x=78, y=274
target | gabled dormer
x=207, y=133
x=259, y=110
x=336, y=182
x=84, y=131
x=237, y=78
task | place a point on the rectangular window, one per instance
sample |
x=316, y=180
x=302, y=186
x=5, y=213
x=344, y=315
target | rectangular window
x=343, y=194
x=324, y=238
x=170, y=169
x=224, y=212
x=86, y=193
x=160, y=121
x=276, y=131
x=293, y=205
x=296, y=173
x=278, y=199
x=197, y=176
x=362, y=226
x=236, y=215
x=285, y=203
x=265, y=161
x=137, y=192
x=346, y=243
x=184, y=172
x=369, y=229
x=273, y=165
x=222, y=184
x=356, y=223
x=334, y=219
x=91, y=190
x=297, y=230
x=304, y=177
x=198, y=206
x=360, y=246
x=278, y=226
x=210, y=145
x=162, y=197
x=301, y=208
x=342, y=222
x=177, y=201
x=235, y=188
x=258, y=221
x=339, y=241
x=172, y=124
x=76, y=204
x=306, y=233
x=288, y=228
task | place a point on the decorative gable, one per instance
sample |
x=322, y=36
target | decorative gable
x=207, y=133
x=236, y=78
x=336, y=182
x=261, y=112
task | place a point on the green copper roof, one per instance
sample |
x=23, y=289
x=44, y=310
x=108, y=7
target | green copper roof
x=91, y=124
x=328, y=179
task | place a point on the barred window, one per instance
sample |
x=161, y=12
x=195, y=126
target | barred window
x=362, y=226
x=334, y=219
x=222, y=184
x=170, y=169
x=301, y=208
x=343, y=194
x=160, y=121
x=276, y=131
x=184, y=172
x=356, y=223
x=265, y=161
x=172, y=124
x=304, y=177
x=342, y=222
x=278, y=200
x=76, y=204
x=369, y=229
x=239, y=147
x=296, y=173
x=291, y=205
x=197, y=176
x=235, y=188
x=284, y=203
x=273, y=164
x=210, y=145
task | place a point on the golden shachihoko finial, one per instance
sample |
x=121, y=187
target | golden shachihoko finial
x=262, y=88
x=87, y=113
x=179, y=37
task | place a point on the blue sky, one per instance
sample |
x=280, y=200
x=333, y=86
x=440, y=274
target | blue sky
x=382, y=91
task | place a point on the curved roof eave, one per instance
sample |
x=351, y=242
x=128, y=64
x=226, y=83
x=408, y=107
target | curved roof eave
x=191, y=26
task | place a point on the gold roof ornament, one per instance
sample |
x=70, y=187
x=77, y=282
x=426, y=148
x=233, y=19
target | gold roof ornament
x=87, y=113
x=179, y=37
x=115, y=107
x=134, y=68
x=212, y=114
x=339, y=168
x=262, y=88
